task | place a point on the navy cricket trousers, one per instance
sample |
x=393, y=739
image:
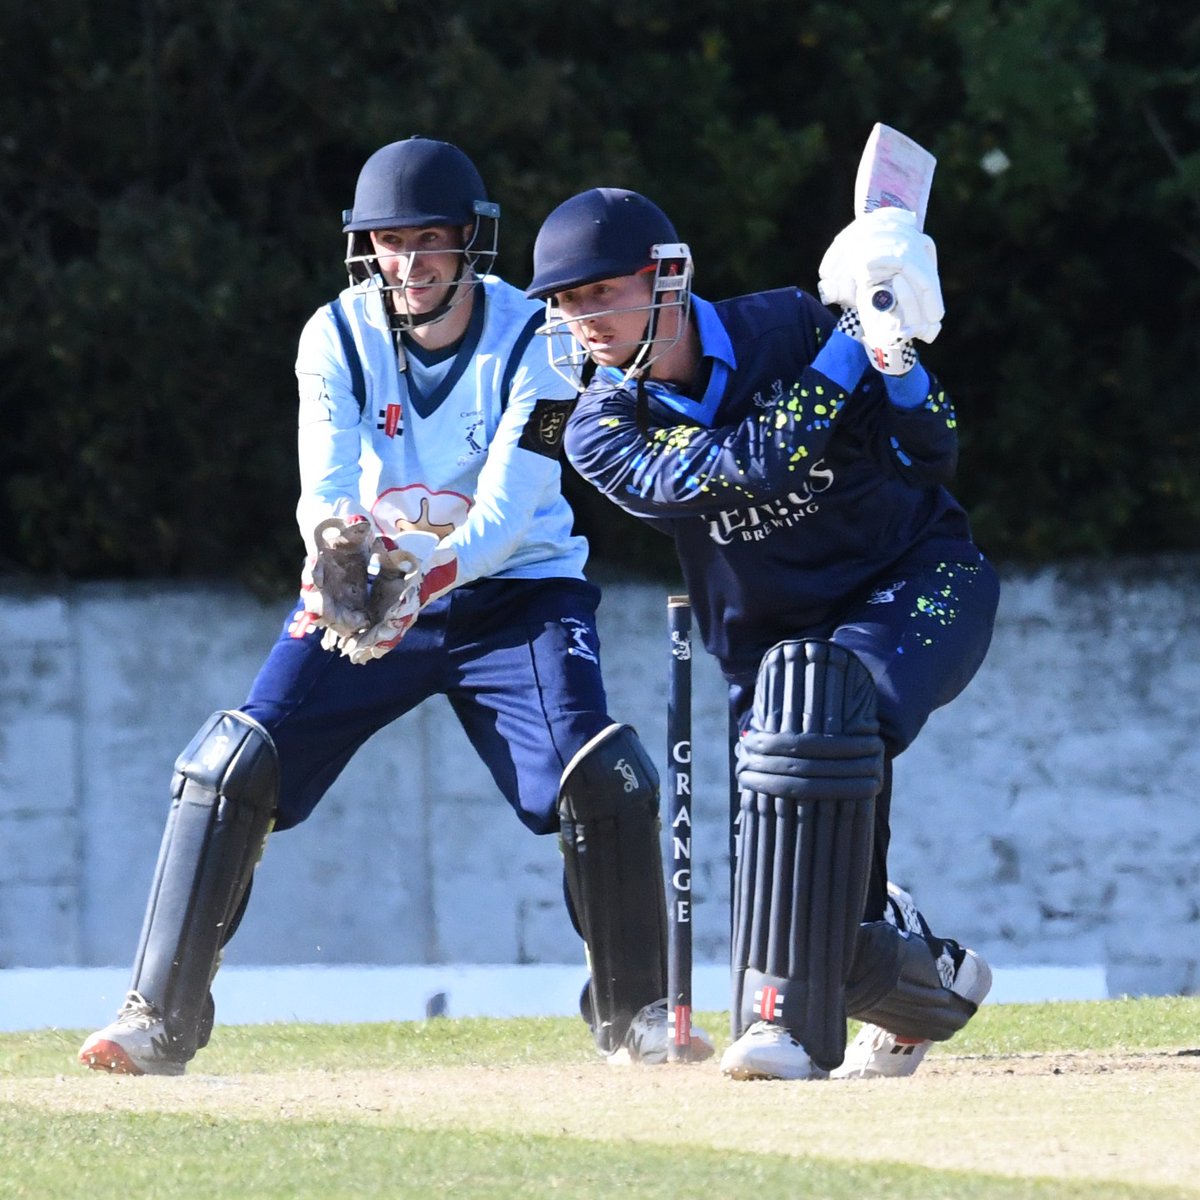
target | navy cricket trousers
x=518, y=660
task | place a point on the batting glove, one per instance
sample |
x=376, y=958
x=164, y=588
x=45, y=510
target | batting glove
x=884, y=267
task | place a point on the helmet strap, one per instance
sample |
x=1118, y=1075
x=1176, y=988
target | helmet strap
x=402, y=324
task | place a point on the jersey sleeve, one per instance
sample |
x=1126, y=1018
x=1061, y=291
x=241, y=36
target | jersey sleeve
x=921, y=428
x=672, y=470
x=521, y=475
x=329, y=428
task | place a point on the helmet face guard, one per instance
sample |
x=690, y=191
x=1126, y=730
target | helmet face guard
x=477, y=258
x=671, y=291
x=418, y=183
x=610, y=233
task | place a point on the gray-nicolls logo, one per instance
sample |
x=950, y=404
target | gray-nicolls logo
x=628, y=774
x=768, y=1002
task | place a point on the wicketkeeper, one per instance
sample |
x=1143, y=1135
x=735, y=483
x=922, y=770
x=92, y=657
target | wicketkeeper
x=831, y=573
x=440, y=561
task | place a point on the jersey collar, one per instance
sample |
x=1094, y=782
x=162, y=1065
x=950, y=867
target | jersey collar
x=716, y=347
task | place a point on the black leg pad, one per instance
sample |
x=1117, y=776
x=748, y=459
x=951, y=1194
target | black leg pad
x=895, y=984
x=809, y=769
x=612, y=861
x=224, y=794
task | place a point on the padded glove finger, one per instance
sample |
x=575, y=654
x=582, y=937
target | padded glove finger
x=836, y=282
x=916, y=311
x=334, y=581
x=412, y=570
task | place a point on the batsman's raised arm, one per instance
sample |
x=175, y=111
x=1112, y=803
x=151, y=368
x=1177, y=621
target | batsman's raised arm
x=629, y=440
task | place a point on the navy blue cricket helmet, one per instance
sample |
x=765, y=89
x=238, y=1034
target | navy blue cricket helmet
x=608, y=233
x=419, y=182
x=415, y=182
x=603, y=233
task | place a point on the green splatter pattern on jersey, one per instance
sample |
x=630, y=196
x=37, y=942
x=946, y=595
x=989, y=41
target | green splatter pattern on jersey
x=939, y=402
x=802, y=410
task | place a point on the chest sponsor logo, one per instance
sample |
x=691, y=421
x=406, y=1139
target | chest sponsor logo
x=758, y=522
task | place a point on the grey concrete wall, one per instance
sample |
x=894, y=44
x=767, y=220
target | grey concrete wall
x=1048, y=816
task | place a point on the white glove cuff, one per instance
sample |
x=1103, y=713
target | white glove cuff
x=890, y=360
x=893, y=360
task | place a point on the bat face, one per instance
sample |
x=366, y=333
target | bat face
x=894, y=172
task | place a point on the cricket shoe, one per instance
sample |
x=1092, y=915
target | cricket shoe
x=877, y=1054
x=768, y=1051
x=646, y=1041
x=136, y=1043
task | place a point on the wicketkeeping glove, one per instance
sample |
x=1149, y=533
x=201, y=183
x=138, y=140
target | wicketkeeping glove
x=411, y=572
x=883, y=266
x=333, y=584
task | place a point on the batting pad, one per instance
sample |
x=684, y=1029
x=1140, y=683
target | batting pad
x=808, y=786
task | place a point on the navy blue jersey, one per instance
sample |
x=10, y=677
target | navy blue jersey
x=794, y=483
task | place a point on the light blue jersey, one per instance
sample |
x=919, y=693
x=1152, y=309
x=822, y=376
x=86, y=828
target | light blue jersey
x=474, y=457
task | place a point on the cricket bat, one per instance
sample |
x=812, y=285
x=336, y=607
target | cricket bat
x=894, y=172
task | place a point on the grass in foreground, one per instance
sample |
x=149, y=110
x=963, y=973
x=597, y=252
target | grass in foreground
x=121, y=1155
x=67, y=1133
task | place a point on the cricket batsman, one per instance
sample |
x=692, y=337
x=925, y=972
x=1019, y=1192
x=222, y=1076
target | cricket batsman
x=832, y=574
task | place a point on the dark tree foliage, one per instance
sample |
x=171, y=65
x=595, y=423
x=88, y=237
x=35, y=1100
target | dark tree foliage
x=172, y=177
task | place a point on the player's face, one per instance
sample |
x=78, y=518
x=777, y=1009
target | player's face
x=608, y=318
x=422, y=263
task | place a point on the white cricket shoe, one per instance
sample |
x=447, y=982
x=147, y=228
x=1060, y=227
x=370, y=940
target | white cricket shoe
x=136, y=1043
x=768, y=1051
x=646, y=1042
x=877, y=1054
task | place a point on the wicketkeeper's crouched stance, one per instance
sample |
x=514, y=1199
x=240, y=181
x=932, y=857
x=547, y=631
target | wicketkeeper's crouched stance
x=224, y=803
x=441, y=561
